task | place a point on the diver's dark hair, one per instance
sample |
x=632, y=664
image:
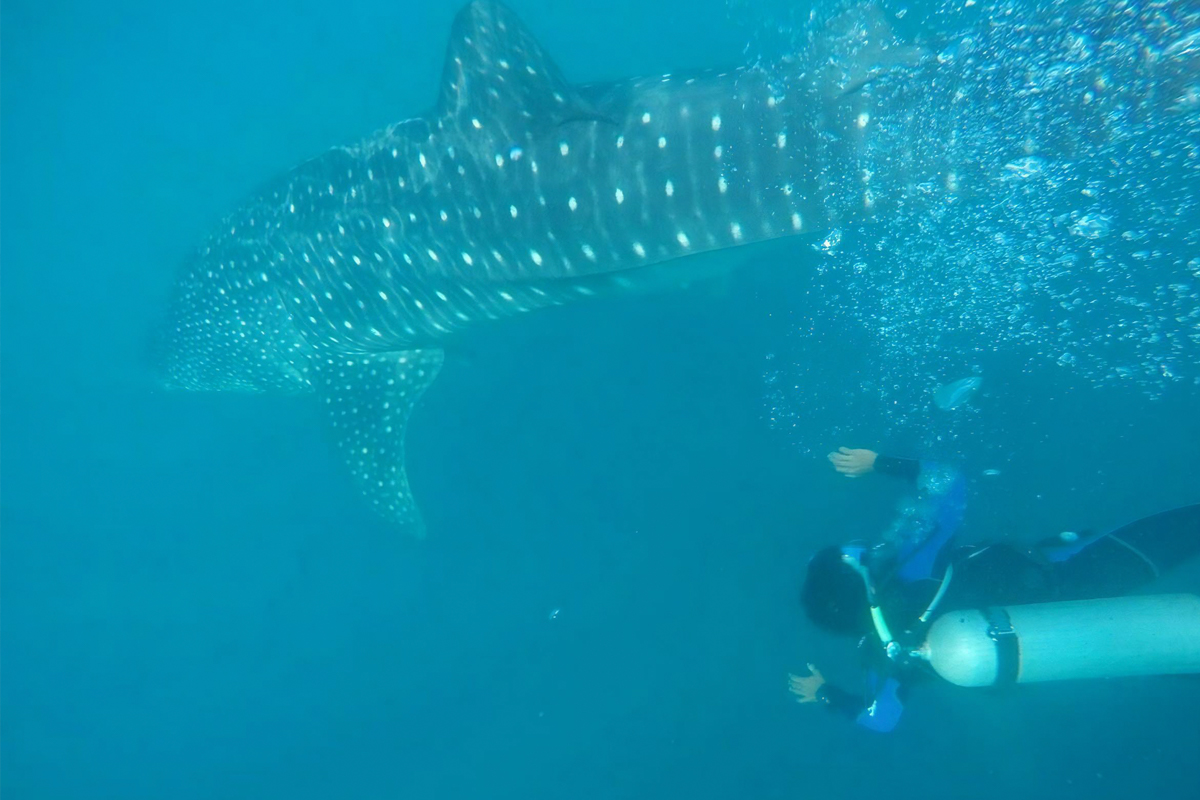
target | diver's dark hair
x=833, y=594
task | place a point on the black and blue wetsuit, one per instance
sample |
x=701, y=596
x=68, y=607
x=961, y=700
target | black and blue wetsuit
x=905, y=567
x=918, y=567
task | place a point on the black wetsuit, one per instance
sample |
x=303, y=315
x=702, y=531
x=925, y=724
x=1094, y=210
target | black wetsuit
x=1065, y=567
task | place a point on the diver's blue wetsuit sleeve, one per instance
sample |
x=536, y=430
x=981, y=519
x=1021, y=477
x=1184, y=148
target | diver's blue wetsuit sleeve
x=881, y=714
x=885, y=709
x=905, y=468
x=933, y=528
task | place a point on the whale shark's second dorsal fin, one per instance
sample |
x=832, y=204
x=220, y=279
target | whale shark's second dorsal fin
x=497, y=74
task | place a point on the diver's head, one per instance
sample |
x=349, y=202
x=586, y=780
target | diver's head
x=833, y=594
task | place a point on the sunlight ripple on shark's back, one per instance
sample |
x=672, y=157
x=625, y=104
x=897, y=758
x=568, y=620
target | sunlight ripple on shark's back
x=347, y=276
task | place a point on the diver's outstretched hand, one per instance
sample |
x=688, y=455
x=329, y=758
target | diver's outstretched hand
x=805, y=688
x=853, y=462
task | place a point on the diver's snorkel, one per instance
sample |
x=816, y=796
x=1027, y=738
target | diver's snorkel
x=852, y=556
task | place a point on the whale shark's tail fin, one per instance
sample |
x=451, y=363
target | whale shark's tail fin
x=368, y=399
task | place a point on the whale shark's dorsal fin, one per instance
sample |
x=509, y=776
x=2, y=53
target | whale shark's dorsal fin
x=497, y=74
x=855, y=47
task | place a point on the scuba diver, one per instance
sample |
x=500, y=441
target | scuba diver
x=888, y=594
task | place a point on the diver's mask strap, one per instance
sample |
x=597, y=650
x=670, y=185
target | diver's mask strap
x=1008, y=646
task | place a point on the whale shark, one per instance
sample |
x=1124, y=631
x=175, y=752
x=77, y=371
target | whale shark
x=350, y=276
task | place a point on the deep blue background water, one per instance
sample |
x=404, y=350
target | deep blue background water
x=197, y=605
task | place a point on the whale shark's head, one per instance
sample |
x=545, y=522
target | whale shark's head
x=226, y=329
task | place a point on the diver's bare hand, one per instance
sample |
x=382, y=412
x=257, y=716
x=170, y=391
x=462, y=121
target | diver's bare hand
x=853, y=462
x=805, y=688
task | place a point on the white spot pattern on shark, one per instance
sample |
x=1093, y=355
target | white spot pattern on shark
x=346, y=276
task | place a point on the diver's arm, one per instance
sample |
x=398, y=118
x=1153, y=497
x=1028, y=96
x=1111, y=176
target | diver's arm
x=879, y=713
x=904, y=468
x=853, y=462
x=841, y=702
x=813, y=688
x=857, y=461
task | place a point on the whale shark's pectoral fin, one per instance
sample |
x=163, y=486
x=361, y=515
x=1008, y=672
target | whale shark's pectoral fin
x=368, y=399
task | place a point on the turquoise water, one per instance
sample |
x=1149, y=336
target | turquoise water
x=620, y=495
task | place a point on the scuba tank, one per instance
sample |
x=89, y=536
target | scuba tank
x=1104, y=638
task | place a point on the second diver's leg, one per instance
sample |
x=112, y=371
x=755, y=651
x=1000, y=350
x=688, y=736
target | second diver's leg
x=1128, y=558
